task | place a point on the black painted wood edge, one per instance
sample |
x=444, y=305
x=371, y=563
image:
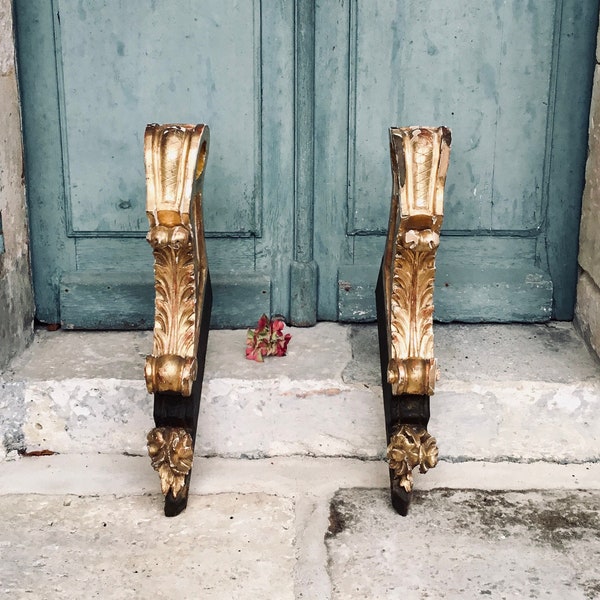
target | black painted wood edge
x=175, y=410
x=399, y=410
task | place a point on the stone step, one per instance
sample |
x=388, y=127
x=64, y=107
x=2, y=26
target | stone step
x=519, y=393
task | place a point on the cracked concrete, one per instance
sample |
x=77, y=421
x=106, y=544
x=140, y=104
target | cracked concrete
x=465, y=544
x=114, y=547
x=304, y=560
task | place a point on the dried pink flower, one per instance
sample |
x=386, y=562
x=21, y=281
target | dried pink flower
x=267, y=339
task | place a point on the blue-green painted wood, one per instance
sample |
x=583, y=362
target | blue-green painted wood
x=224, y=255
x=126, y=300
x=467, y=294
x=125, y=64
x=274, y=249
x=485, y=76
x=51, y=251
x=107, y=69
x=240, y=297
x=567, y=145
x=478, y=279
x=331, y=245
x=488, y=71
x=474, y=251
x=91, y=300
x=303, y=293
x=303, y=273
x=512, y=79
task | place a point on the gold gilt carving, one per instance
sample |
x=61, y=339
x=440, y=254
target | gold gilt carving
x=420, y=158
x=171, y=453
x=175, y=156
x=409, y=447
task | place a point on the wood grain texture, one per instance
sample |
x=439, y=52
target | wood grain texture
x=331, y=245
x=463, y=73
x=471, y=295
x=96, y=203
x=275, y=248
x=224, y=254
x=303, y=270
x=104, y=49
x=575, y=41
x=126, y=301
x=51, y=251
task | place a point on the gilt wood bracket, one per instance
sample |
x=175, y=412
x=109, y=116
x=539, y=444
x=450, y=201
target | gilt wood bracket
x=419, y=157
x=175, y=158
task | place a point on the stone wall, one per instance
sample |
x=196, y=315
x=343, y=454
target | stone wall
x=587, y=309
x=16, y=294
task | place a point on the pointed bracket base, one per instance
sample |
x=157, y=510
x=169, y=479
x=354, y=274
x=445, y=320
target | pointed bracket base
x=404, y=299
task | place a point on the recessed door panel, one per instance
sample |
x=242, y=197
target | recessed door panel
x=125, y=64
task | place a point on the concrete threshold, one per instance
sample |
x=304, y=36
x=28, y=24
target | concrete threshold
x=521, y=393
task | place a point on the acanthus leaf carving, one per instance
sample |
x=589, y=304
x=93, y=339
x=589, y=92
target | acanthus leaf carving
x=419, y=163
x=175, y=156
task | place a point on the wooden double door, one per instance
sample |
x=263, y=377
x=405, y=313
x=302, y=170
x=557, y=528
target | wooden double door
x=299, y=95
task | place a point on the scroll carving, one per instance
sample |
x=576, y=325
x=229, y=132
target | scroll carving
x=175, y=157
x=404, y=297
x=420, y=158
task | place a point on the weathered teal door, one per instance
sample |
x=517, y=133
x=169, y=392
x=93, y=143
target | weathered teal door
x=93, y=73
x=511, y=78
x=299, y=95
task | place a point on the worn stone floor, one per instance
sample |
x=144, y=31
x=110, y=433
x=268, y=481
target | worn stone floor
x=466, y=544
x=289, y=493
x=80, y=526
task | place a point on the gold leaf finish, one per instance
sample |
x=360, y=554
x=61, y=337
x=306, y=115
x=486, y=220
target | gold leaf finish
x=419, y=164
x=171, y=453
x=175, y=156
x=409, y=447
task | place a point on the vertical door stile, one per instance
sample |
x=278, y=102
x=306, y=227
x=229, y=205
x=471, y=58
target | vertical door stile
x=303, y=272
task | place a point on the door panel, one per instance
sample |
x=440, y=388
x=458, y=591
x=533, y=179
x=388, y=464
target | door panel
x=494, y=73
x=116, y=80
x=471, y=64
x=93, y=74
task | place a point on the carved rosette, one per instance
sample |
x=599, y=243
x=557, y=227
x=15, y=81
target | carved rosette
x=175, y=157
x=420, y=158
x=409, y=447
x=171, y=453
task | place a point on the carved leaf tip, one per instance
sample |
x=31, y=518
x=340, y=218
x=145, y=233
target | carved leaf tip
x=171, y=455
x=411, y=446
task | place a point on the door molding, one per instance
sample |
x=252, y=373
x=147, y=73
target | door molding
x=74, y=266
x=303, y=271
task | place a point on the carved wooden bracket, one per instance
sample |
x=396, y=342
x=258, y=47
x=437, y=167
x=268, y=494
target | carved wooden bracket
x=175, y=158
x=420, y=157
